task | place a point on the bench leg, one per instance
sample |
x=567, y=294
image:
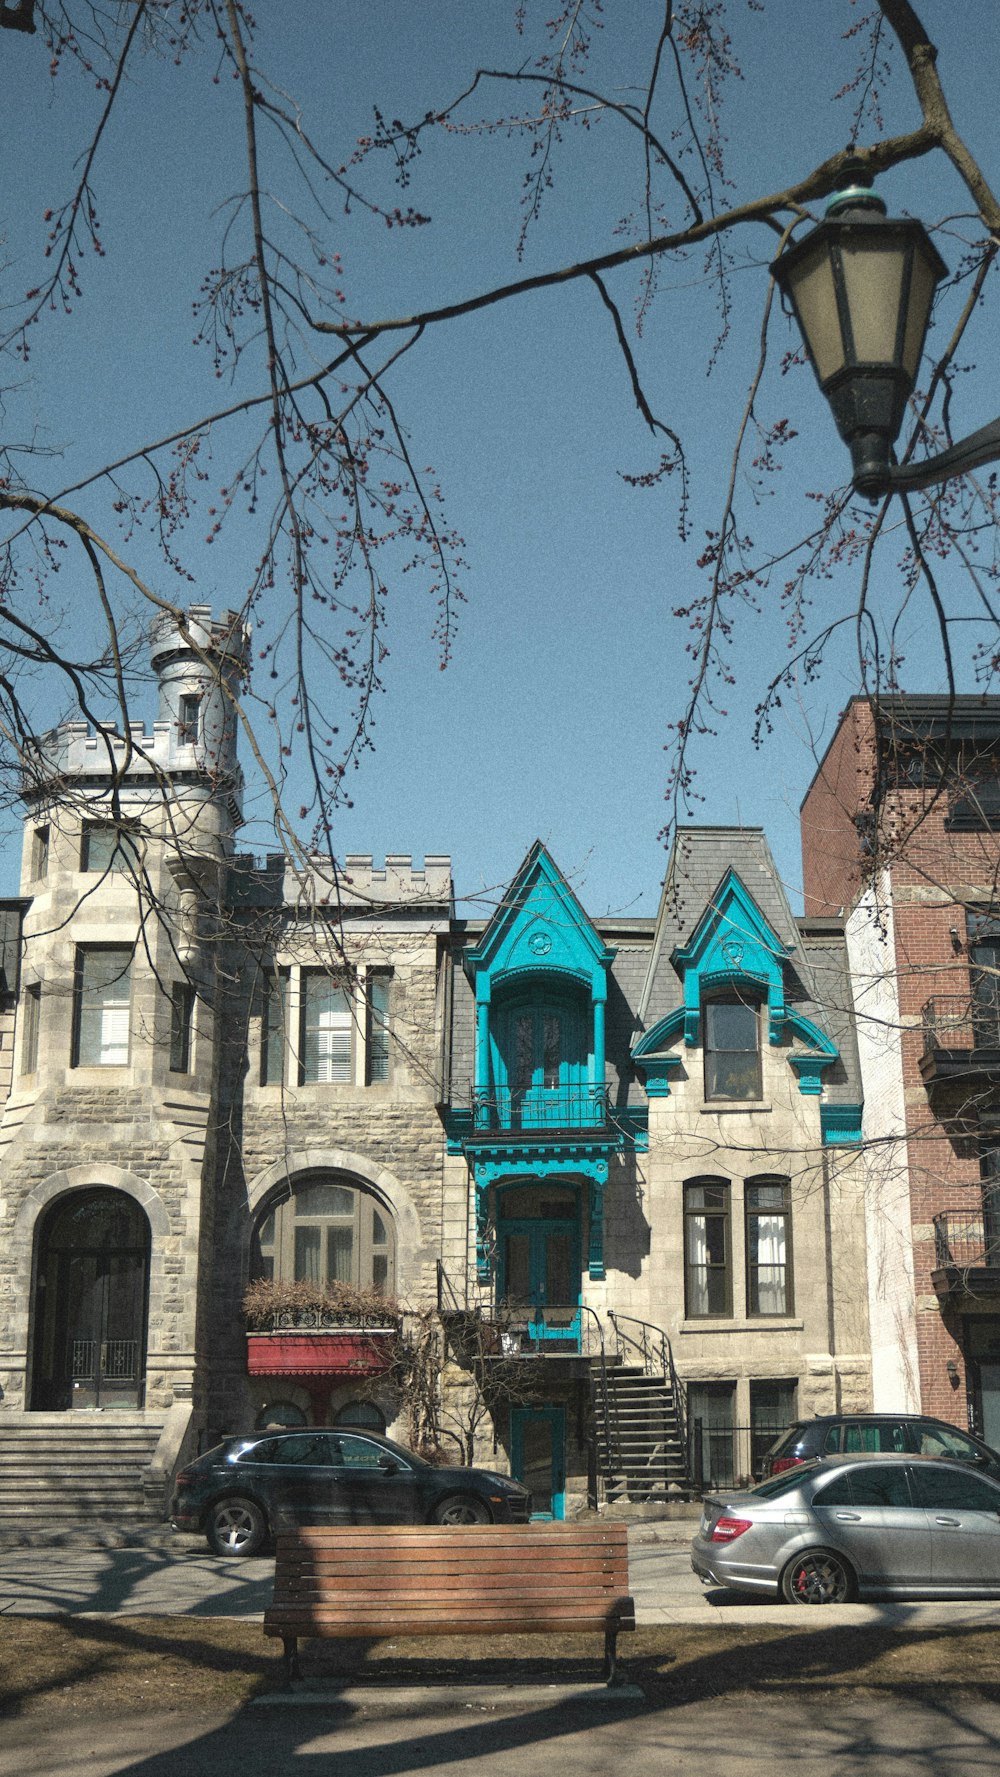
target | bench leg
x=610, y=1655
x=290, y=1643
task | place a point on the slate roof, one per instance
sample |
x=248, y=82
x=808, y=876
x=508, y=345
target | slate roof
x=819, y=982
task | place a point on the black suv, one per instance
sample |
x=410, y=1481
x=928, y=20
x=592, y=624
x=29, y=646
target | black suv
x=850, y=1433
x=247, y=1488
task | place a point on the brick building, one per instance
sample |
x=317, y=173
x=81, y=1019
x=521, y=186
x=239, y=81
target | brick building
x=900, y=837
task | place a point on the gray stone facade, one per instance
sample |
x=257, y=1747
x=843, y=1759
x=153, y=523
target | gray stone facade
x=279, y=1038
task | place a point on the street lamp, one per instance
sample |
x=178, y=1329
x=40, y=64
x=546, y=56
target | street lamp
x=861, y=285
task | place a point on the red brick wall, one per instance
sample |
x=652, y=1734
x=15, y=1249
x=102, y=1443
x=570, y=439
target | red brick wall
x=831, y=853
x=934, y=874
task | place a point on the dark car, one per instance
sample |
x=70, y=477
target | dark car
x=900, y=1434
x=245, y=1489
x=823, y=1532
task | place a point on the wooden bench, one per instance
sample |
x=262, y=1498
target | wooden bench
x=537, y=1579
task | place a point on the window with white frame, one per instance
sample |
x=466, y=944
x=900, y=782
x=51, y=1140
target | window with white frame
x=327, y=1231
x=327, y=1029
x=769, y=1247
x=102, y=992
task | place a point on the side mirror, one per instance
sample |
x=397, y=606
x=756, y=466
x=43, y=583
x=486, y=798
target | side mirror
x=388, y=1465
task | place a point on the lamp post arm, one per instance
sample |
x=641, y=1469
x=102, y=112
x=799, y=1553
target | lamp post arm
x=969, y=453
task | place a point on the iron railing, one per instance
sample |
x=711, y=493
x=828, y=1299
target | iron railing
x=967, y=1238
x=722, y=1455
x=502, y=1109
x=955, y=1021
x=654, y=1351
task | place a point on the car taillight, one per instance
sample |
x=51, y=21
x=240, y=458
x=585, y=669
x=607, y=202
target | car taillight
x=184, y=1478
x=728, y=1529
x=780, y=1463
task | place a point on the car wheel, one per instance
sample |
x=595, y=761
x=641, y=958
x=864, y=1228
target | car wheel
x=460, y=1508
x=818, y=1577
x=236, y=1527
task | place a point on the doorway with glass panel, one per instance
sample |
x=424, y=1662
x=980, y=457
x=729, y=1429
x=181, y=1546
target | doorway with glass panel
x=92, y=1286
x=538, y=1457
x=538, y=1260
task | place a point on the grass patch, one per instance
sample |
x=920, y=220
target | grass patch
x=119, y=1664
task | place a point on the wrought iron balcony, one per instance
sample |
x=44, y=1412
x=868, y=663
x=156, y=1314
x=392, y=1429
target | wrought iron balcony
x=961, y=1039
x=967, y=1252
x=539, y=1110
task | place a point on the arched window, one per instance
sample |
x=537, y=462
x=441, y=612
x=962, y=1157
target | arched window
x=327, y=1231
x=362, y=1413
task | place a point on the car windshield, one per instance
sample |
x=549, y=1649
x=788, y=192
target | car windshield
x=785, y=1482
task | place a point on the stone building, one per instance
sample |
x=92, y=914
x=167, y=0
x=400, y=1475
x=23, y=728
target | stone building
x=900, y=836
x=611, y=1170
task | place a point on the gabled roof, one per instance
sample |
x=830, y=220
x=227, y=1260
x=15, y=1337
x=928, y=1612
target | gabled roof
x=540, y=925
x=702, y=860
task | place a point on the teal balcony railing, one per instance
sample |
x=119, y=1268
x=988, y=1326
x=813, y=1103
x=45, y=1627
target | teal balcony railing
x=502, y=1109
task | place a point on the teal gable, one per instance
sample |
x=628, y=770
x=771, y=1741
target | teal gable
x=541, y=986
x=733, y=947
x=540, y=1108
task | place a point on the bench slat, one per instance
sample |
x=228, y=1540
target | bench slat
x=534, y=1537
x=563, y=1572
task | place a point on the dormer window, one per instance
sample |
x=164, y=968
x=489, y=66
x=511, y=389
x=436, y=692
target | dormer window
x=732, y=1049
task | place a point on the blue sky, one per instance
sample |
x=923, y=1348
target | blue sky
x=553, y=717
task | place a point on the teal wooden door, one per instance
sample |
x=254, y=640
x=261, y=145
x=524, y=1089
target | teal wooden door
x=538, y=1457
x=543, y=1064
x=538, y=1272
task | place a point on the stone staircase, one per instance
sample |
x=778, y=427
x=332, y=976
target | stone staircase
x=640, y=1447
x=62, y=1470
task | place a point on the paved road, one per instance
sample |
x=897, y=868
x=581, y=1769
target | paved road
x=183, y=1579
x=511, y=1733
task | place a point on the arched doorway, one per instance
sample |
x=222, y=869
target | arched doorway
x=91, y=1295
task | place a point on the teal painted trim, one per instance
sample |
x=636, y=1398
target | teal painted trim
x=632, y=1122
x=483, y=1265
x=555, y=1506
x=458, y=1126
x=657, y=1070
x=661, y=1036
x=840, y=1125
x=732, y=944
x=540, y=926
x=809, y=1069
x=508, y=1162
x=811, y=1034
x=595, y=1250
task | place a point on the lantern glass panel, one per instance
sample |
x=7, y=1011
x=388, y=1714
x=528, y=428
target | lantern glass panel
x=873, y=282
x=923, y=283
x=812, y=290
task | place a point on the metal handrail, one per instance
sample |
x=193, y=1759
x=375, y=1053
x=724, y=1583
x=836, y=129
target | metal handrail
x=444, y=1283
x=666, y=1359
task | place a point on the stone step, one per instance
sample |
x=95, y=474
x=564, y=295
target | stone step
x=55, y=1470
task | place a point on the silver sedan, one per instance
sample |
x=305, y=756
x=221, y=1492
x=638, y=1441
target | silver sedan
x=826, y=1531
